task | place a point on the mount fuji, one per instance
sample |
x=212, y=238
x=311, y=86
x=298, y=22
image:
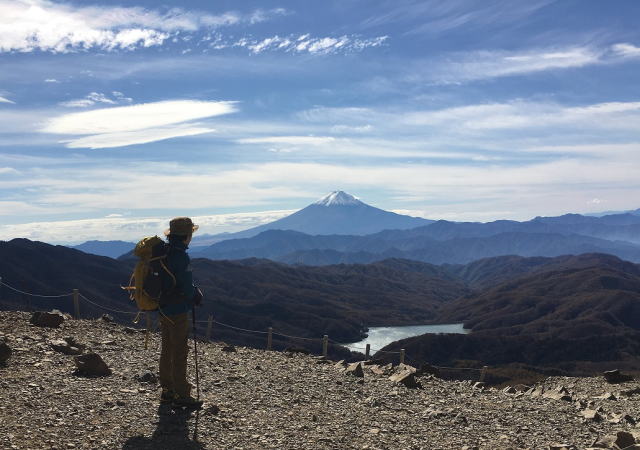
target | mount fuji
x=336, y=213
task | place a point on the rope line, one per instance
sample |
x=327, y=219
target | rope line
x=298, y=337
x=107, y=309
x=34, y=295
x=239, y=329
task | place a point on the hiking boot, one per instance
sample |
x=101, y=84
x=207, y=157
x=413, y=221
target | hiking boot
x=187, y=402
x=167, y=396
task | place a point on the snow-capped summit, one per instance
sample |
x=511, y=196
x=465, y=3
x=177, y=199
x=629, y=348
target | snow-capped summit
x=338, y=198
x=336, y=213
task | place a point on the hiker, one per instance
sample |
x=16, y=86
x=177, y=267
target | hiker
x=175, y=306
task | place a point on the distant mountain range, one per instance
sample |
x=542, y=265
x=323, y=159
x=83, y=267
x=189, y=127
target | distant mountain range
x=112, y=249
x=340, y=229
x=445, y=242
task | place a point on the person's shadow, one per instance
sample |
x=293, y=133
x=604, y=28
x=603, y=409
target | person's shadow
x=172, y=432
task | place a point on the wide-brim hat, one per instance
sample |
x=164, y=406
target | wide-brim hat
x=181, y=226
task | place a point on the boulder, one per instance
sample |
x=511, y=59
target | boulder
x=5, y=352
x=376, y=369
x=428, y=369
x=51, y=319
x=509, y=390
x=107, y=318
x=406, y=377
x=68, y=346
x=355, y=369
x=615, y=376
x=622, y=439
x=229, y=349
x=91, y=365
x=146, y=377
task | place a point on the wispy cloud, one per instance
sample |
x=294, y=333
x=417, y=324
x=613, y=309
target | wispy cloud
x=118, y=226
x=5, y=100
x=96, y=97
x=492, y=64
x=433, y=16
x=291, y=140
x=304, y=44
x=28, y=25
x=626, y=50
x=136, y=124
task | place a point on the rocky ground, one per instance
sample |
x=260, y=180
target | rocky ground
x=259, y=399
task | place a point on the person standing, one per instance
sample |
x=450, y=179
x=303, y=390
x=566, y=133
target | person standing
x=179, y=298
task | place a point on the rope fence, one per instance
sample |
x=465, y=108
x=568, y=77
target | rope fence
x=270, y=332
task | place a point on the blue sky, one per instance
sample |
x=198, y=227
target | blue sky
x=116, y=116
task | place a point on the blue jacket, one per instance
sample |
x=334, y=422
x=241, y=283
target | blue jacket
x=179, y=263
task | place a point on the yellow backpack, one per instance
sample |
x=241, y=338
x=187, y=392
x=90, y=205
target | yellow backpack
x=145, y=285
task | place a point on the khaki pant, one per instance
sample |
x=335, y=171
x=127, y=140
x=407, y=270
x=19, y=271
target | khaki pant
x=173, y=356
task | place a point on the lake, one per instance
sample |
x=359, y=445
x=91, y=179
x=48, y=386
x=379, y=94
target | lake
x=381, y=336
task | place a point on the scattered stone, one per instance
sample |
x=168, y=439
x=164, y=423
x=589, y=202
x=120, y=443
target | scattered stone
x=630, y=392
x=146, y=377
x=45, y=319
x=407, y=378
x=5, y=352
x=560, y=393
x=607, y=396
x=229, y=349
x=107, y=318
x=479, y=385
x=509, y=390
x=615, y=376
x=355, y=369
x=376, y=369
x=341, y=365
x=591, y=414
x=562, y=447
x=91, y=365
x=406, y=367
x=538, y=391
x=300, y=350
x=129, y=330
x=622, y=418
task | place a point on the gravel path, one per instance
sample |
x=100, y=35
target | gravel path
x=258, y=399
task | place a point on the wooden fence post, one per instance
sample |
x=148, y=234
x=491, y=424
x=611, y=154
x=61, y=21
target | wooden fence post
x=401, y=356
x=483, y=373
x=269, y=338
x=76, y=303
x=209, y=327
x=325, y=345
x=368, y=352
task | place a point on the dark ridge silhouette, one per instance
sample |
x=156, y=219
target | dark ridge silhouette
x=579, y=314
x=304, y=301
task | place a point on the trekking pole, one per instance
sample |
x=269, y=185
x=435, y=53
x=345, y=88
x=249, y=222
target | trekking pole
x=195, y=353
